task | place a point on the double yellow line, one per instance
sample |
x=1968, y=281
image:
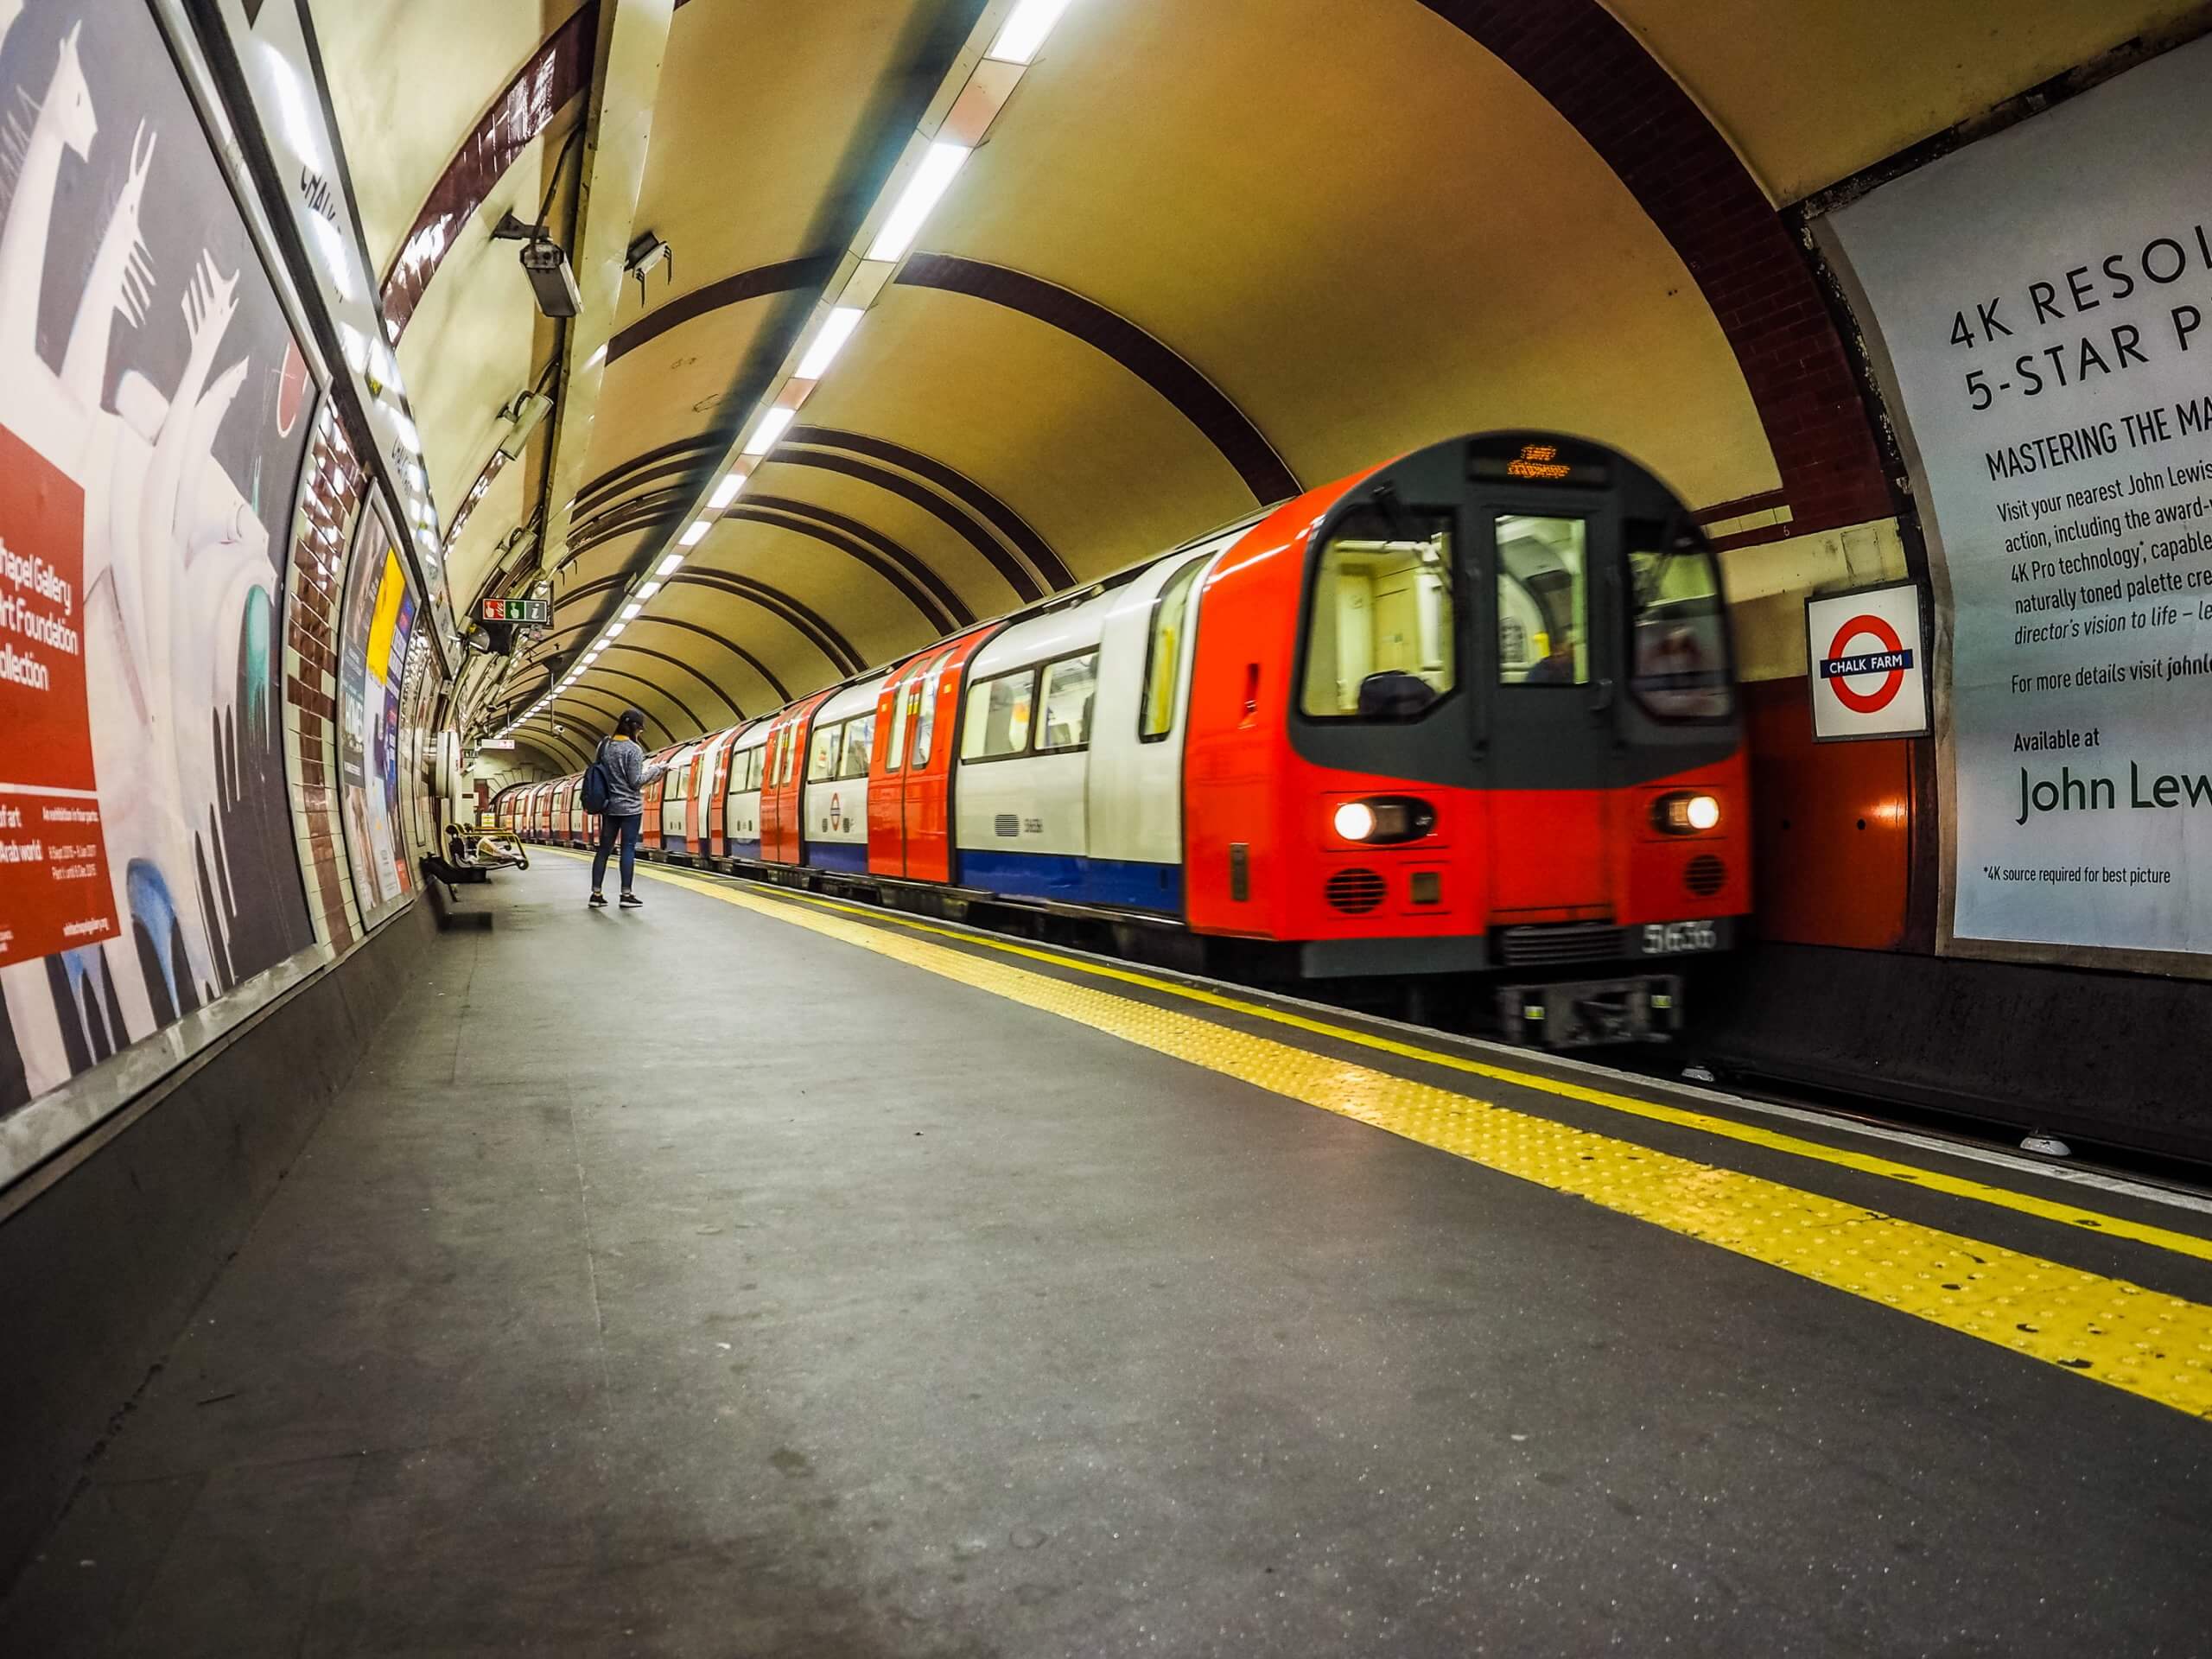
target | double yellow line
x=2111, y=1331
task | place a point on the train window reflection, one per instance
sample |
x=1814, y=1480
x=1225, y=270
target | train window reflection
x=1383, y=618
x=1164, y=653
x=1068, y=686
x=1678, y=637
x=925, y=714
x=821, y=754
x=902, y=707
x=860, y=738
x=998, y=716
x=1543, y=601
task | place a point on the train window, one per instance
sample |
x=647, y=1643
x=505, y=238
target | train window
x=860, y=738
x=1543, y=601
x=1069, y=687
x=902, y=708
x=925, y=714
x=1163, y=661
x=1383, y=616
x=821, y=755
x=998, y=716
x=1678, y=635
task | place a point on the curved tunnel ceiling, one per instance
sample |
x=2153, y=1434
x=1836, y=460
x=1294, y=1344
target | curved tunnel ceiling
x=1207, y=255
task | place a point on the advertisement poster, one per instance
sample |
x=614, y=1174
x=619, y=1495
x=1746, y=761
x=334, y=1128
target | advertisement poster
x=376, y=624
x=154, y=410
x=2043, y=299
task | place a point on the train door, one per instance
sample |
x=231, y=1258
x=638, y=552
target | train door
x=704, y=821
x=886, y=795
x=933, y=740
x=1548, y=557
x=1136, y=737
x=741, y=807
x=781, y=828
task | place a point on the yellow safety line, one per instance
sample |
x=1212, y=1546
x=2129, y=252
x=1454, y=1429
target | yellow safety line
x=1934, y=1181
x=2143, y=1341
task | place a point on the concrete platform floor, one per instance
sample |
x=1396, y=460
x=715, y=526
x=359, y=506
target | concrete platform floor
x=687, y=1282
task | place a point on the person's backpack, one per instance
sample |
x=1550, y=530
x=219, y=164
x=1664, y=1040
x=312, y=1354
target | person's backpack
x=596, y=783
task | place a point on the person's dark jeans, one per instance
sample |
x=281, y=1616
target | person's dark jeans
x=610, y=828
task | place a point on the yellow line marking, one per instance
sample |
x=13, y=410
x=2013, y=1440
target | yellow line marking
x=2128, y=1337
x=1933, y=1180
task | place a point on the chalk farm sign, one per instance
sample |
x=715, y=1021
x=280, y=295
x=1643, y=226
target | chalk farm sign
x=2041, y=302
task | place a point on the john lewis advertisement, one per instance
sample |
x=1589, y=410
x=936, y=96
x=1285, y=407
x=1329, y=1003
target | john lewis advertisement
x=2043, y=299
x=154, y=412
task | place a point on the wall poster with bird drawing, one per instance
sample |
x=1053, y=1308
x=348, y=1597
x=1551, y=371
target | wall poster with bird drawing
x=154, y=410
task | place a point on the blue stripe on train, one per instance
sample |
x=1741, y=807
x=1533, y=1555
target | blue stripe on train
x=1074, y=881
x=848, y=855
x=740, y=847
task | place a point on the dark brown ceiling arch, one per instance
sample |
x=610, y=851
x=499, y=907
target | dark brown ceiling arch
x=574, y=694
x=811, y=625
x=812, y=270
x=1026, y=583
x=1008, y=523
x=728, y=700
x=625, y=471
x=653, y=686
x=1152, y=361
x=783, y=692
x=1688, y=179
x=932, y=597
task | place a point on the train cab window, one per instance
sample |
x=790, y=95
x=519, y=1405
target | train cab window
x=925, y=712
x=1543, y=601
x=1163, y=662
x=821, y=755
x=860, y=738
x=1069, y=686
x=1678, y=636
x=1383, y=616
x=998, y=716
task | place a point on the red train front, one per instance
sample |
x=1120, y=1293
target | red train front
x=1474, y=711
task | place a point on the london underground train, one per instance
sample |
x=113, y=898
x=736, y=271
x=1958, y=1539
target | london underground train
x=1464, y=724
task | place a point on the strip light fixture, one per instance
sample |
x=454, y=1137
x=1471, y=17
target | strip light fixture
x=1003, y=47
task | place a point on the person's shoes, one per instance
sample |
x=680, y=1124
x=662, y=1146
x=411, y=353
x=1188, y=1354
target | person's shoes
x=631, y=901
x=598, y=901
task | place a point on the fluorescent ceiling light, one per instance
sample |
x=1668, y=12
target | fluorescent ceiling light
x=765, y=434
x=670, y=565
x=931, y=180
x=614, y=631
x=649, y=590
x=1025, y=30
x=631, y=611
x=696, y=534
x=819, y=356
x=726, y=492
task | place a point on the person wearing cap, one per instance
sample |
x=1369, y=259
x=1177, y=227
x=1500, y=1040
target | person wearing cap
x=627, y=774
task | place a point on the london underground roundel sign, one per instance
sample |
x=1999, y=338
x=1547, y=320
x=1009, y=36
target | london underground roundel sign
x=1868, y=663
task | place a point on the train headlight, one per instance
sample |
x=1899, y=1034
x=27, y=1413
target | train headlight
x=1685, y=814
x=1383, y=819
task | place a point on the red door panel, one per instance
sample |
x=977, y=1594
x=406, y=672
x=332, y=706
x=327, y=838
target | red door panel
x=927, y=795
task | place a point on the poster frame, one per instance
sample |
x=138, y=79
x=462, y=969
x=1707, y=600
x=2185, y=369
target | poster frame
x=1942, y=602
x=81, y=1113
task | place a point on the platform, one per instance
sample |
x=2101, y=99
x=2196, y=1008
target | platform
x=754, y=1275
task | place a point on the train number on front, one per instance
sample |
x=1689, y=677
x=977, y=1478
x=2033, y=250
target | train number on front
x=1673, y=939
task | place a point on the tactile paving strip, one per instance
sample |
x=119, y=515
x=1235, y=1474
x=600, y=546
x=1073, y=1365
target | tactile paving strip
x=2108, y=1329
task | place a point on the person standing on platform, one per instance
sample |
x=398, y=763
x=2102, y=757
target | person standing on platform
x=622, y=761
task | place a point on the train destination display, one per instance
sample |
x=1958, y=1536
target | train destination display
x=2042, y=299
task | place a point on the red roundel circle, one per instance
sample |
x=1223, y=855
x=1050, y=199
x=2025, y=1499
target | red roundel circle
x=1866, y=703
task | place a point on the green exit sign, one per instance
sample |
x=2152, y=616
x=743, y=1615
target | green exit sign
x=526, y=612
